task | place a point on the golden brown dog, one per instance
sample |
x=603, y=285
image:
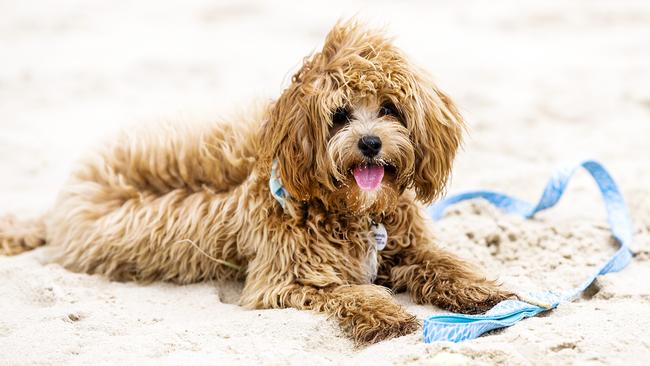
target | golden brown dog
x=360, y=137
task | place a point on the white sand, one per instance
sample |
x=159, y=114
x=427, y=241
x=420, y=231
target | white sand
x=540, y=83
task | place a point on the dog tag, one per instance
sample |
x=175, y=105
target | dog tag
x=380, y=235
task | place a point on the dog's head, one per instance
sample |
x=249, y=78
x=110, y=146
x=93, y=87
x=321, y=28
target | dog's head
x=359, y=125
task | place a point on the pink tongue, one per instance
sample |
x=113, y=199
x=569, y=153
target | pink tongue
x=368, y=177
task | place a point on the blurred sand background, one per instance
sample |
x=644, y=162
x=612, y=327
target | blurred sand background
x=540, y=84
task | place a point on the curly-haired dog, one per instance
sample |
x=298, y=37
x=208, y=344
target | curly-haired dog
x=358, y=138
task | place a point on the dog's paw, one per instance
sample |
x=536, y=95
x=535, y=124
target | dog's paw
x=369, y=314
x=382, y=324
x=474, y=298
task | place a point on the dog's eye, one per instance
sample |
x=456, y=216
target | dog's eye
x=341, y=116
x=389, y=109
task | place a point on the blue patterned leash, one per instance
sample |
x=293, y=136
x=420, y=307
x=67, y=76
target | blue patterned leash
x=459, y=327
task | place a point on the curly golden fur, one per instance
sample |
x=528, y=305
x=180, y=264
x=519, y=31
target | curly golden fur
x=188, y=204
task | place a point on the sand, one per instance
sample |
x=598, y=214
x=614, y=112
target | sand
x=540, y=83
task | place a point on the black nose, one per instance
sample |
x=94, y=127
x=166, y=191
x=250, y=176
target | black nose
x=370, y=145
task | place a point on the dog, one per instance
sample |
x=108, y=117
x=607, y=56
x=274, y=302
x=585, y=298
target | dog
x=315, y=200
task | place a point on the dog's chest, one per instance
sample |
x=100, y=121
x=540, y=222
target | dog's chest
x=377, y=239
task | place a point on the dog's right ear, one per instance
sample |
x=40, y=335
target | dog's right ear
x=286, y=137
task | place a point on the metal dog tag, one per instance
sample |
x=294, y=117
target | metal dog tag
x=380, y=235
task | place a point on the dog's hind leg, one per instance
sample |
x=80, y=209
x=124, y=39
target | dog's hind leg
x=17, y=236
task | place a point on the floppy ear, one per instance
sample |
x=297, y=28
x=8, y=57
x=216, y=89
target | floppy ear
x=286, y=138
x=294, y=134
x=436, y=132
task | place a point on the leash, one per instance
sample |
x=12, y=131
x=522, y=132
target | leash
x=454, y=327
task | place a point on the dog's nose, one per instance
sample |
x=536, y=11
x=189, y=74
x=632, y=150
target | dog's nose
x=370, y=145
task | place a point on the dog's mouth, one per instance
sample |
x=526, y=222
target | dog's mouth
x=369, y=175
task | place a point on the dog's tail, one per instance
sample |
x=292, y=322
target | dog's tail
x=18, y=236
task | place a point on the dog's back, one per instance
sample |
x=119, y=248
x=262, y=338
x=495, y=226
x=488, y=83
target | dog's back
x=153, y=161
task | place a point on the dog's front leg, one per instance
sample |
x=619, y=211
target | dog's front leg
x=431, y=275
x=366, y=313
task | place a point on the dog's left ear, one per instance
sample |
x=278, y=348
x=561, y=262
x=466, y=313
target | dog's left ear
x=436, y=130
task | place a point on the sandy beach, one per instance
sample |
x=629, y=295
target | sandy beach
x=539, y=83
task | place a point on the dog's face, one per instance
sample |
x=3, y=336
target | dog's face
x=359, y=125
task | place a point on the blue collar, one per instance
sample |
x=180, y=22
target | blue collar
x=277, y=189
